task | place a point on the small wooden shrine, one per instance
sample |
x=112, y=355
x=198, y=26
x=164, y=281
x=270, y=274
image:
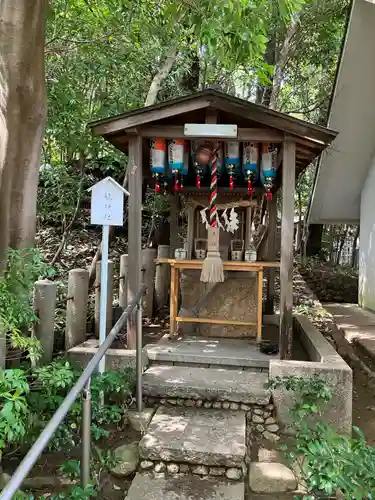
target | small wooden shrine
x=222, y=161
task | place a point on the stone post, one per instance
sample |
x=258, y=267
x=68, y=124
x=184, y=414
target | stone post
x=123, y=288
x=76, y=308
x=162, y=278
x=44, y=305
x=109, y=296
x=148, y=267
x=3, y=349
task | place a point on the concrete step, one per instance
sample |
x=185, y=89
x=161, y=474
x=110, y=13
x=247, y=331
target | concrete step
x=145, y=486
x=207, y=384
x=213, y=438
x=209, y=352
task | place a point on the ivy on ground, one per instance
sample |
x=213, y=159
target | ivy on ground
x=328, y=462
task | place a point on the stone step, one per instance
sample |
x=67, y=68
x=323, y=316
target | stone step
x=147, y=487
x=206, y=384
x=213, y=438
x=209, y=352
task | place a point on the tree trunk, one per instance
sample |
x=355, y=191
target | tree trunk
x=354, y=247
x=332, y=230
x=22, y=118
x=281, y=62
x=270, y=58
x=343, y=236
x=314, y=242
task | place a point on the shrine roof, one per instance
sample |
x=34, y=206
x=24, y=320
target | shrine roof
x=165, y=119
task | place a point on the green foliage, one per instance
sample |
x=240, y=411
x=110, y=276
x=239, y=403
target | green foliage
x=28, y=401
x=75, y=493
x=51, y=385
x=58, y=193
x=329, y=462
x=14, y=410
x=101, y=57
x=101, y=460
x=22, y=269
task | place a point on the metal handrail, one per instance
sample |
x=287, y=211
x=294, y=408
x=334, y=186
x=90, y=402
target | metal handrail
x=83, y=384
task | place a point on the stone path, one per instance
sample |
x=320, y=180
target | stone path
x=189, y=382
x=196, y=436
x=357, y=325
x=198, y=443
x=146, y=487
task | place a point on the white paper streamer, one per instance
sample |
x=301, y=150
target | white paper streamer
x=233, y=224
x=218, y=222
x=204, y=218
x=225, y=217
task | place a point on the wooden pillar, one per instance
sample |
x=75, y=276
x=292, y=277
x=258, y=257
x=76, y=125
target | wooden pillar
x=162, y=278
x=271, y=255
x=286, y=265
x=190, y=232
x=123, y=288
x=134, y=232
x=248, y=220
x=174, y=224
x=148, y=267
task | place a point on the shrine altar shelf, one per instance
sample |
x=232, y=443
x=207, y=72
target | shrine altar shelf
x=179, y=265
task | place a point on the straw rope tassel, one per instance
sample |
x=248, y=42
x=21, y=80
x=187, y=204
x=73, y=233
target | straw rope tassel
x=212, y=269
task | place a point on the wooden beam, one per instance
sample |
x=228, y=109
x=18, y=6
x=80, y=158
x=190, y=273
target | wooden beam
x=286, y=266
x=134, y=231
x=271, y=254
x=260, y=305
x=119, y=123
x=213, y=321
x=177, y=132
x=211, y=115
x=173, y=299
x=271, y=118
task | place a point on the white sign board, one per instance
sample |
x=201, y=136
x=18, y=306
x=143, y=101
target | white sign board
x=210, y=130
x=107, y=203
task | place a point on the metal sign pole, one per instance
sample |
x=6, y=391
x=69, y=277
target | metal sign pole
x=103, y=293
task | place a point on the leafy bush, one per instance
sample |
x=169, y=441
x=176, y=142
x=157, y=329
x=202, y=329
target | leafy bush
x=22, y=269
x=14, y=409
x=328, y=461
x=58, y=193
x=28, y=400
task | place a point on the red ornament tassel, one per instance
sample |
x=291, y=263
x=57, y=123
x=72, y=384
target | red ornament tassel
x=176, y=187
x=157, y=187
x=231, y=182
x=250, y=189
x=269, y=195
x=198, y=181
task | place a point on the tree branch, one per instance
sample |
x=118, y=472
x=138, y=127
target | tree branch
x=160, y=76
x=280, y=65
x=74, y=216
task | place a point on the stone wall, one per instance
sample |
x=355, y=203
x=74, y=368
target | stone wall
x=325, y=362
x=234, y=299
